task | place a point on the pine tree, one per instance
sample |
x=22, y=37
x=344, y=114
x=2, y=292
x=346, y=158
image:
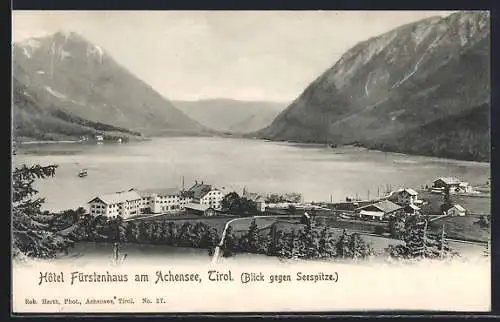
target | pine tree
x=359, y=249
x=142, y=230
x=131, y=232
x=32, y=237
x=228, y=244
x=309, y=242
x=272, y=248
x=172, y=234
x=325, y=247
x=253, y=237
x=342, y=245
x=120, y=229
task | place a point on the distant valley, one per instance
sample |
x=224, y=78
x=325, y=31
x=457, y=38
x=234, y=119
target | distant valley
x=231, y=116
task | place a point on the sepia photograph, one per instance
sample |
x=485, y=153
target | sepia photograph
x=250, y=161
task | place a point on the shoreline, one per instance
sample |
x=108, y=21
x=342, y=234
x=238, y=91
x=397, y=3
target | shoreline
x=292, y=143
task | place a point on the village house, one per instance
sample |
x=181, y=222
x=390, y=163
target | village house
x=124, y=204
x=163, y=200
x=208, y=195
x=381, y=210
x=259, y=200
x=405, y=197
x=412, y=209
x=455, y=210
x=453, y=184
x=199, y=209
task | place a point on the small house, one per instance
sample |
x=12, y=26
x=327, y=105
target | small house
x=405, y=197
x=379, y=211
x=411, y=209
x=259, y=200
x=199, y=209
x=446, y=182
x=455, y=210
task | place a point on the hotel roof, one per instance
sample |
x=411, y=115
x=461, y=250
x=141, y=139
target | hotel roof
x=118, y=197
x=199, y=190
x=160, y=192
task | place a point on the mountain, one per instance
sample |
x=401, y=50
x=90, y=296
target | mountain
x=71, y=81
x=227, y=115
x=34, y=122
x=400, y=90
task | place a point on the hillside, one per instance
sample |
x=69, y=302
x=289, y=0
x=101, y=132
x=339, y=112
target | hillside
x=33, y=122
x=400, y=90
x=228, y=115
x=67, y=74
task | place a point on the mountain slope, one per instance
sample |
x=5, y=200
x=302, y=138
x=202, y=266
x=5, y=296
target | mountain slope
x=395, y=84
x=33, y=122
x=67, y=73
x=229, y=115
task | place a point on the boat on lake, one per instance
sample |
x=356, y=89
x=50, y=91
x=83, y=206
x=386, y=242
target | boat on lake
x=82, y=173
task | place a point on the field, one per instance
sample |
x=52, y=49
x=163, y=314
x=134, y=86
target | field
x=378, y=243
x=463, y=228
x=475, y=205
x=218, y=222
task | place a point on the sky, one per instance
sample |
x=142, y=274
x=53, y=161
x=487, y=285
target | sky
x=245, y=55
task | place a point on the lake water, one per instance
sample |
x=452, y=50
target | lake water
x=317, y=172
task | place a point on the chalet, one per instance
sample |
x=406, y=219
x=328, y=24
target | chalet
x=124, y=204
x=412, y=209
x=259, y=200
x=405, y=197
x=455, y=210
x=208, y=195
x=199, y=209
x=379, y=211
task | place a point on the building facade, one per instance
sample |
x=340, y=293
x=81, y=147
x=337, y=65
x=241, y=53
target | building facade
x=405, y=197
x=124, y=204
x=381, y=210
x=159, y=201
x=207, y=195
x=455, y=210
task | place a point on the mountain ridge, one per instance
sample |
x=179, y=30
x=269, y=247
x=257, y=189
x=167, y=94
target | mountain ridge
x=396, y=82
x=66, y=72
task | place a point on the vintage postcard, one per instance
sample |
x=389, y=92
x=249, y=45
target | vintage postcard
x=250, y=161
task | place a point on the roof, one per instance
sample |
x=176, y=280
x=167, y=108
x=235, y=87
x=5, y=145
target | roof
x=118, y=197
x=199, y=190
x=197, y=206
x=371, y=213
x=253, y=196
x=385, y=206
x=448, y=180
x=161, y=192
x=411, y=191
x=456, y=206
x=412, y=206
x=224, y=190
